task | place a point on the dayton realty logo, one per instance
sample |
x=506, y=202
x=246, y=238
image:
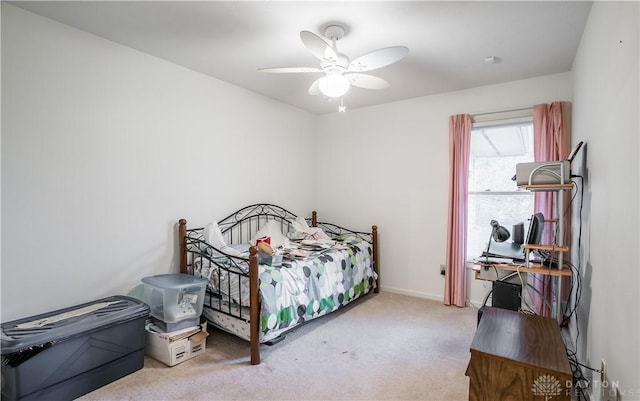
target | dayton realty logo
x=546, y=386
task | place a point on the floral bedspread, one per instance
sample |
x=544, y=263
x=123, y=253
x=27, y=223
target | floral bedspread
x=301, y=290
x=296, y=291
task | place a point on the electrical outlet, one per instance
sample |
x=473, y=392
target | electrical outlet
x=443, y=269
x=609, y=389
x=615, y=390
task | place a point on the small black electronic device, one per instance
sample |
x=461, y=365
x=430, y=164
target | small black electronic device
x=536, y=226
x=574, y=152
x=534, y=235
x=506, y=295
x=518, y=233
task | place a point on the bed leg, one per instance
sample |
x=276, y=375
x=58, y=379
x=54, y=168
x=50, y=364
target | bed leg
x=182, y=244
x=254, y=299
x=314, y=219
x=376, y=259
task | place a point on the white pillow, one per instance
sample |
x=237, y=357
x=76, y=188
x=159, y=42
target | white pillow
x=300, y=227
x=272, y=229
x=213, y=236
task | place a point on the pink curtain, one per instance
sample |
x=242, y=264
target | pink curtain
x=551, y=141
x=455, y=292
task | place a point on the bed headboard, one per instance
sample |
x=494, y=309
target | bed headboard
x=240, y=226
x=237, y=228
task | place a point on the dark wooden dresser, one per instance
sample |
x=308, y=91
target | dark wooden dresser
x=517, y=356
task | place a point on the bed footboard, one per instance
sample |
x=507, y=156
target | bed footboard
x=207, y=253
x=254, y=322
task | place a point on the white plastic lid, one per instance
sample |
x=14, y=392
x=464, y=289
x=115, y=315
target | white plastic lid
x=70, y=322
x=174, y=281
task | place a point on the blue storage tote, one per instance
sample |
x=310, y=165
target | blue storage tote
x=67, y=353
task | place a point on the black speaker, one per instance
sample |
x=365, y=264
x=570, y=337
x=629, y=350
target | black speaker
x=506, y=295
x=518, y=233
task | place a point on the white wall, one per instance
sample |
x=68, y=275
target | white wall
x=605, y=116
x=389, y=165
x=104, y=148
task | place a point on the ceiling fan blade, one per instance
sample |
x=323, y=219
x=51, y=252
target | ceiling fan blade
x=321, y=49
x=286, y=70
x=366, y=81
x=378, y=58
x=314, y=89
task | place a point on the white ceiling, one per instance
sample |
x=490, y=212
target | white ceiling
x=448, y=41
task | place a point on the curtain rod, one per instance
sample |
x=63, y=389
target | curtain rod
x=502, y=111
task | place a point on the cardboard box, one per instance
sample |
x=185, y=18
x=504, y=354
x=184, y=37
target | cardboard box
x=177, y=346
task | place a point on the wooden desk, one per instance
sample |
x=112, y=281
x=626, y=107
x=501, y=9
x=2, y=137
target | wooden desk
x=536, y=268
x=533, y=268
x=516, y=356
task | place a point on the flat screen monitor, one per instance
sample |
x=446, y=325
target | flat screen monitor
x=536, y=226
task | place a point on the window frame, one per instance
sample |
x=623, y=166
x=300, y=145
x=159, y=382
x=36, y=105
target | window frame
x=524, y=117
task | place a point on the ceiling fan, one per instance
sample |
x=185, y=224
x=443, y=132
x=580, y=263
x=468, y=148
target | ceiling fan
x=339, y=72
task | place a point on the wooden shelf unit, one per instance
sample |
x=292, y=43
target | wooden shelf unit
x=546, y=187
x=550, y=248
x=533, y=268
x=559, y=247
x=557, y=273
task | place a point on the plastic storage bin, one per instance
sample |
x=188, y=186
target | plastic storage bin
x=183, y=324
x=174, y=297
x=67, y=353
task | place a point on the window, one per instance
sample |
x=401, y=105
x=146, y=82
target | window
x=493, y=195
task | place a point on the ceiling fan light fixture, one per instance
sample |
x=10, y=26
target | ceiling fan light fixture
x=340, y=73
x=333, y=85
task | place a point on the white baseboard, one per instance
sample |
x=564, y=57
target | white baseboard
x=475, y=304
x=425, y=295
x=418, y=294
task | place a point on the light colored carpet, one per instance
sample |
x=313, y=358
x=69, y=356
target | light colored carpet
x=383, y=347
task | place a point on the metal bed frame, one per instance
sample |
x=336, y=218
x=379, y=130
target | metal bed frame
x=238, y=228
